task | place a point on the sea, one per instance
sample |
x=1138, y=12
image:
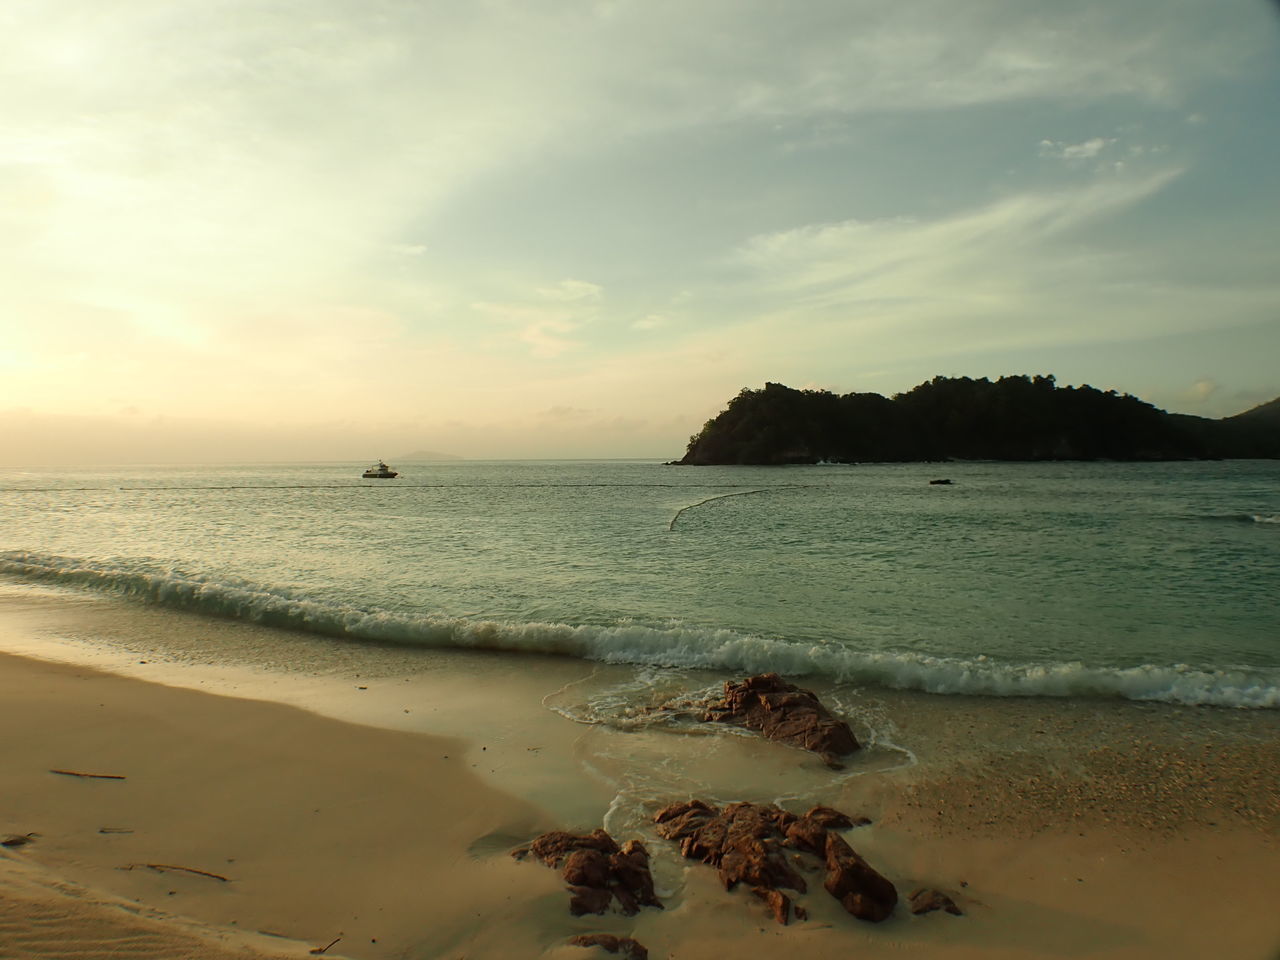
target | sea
x=1142, y=582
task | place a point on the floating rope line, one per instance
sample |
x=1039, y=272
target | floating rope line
x=723, y=496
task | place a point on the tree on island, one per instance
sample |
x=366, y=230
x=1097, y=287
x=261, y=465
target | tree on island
x=1012, y=418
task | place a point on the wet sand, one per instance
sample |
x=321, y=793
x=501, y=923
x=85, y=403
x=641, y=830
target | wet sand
x=1062, y=828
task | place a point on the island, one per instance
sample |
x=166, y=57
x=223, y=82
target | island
x=958, y=418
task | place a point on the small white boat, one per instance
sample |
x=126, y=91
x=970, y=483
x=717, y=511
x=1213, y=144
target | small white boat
x=379, y=471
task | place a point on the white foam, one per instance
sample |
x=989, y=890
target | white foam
x=675, y=645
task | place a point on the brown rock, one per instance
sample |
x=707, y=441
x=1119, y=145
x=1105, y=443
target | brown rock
x=628, y=948
x=586, y=868
x=631, y=881
x=783, y=712
x=926, y=900
x=830, y=818
x=597, y=871
x=553, y=847
x=859, y=888
x=807, y=834
x=589, y=900
x=779, y=903
x=743, y=841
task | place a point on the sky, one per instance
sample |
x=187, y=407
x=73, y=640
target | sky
x=328, y=229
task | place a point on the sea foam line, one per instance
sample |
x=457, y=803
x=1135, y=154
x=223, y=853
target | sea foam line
x=676, y=645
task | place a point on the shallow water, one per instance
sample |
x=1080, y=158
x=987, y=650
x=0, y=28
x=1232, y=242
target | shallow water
x=1145, y=581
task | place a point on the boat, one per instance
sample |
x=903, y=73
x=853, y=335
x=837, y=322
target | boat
x=379, y=471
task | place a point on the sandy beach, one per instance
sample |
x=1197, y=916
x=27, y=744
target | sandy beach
x=1062, y=829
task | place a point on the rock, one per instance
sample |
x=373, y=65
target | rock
x=779, y=903
x=783, y=712
x=631, y=881
x=832, y=819
x=748, y=843
x=859, y=888
x=597, y=871
x=807, y=834
x=553, y=847
x=628, y=948
x=586, y=868
x=926, y=900
x=589, y=900
x=743, y=841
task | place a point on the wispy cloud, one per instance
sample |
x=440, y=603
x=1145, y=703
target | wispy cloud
x=1075, y=151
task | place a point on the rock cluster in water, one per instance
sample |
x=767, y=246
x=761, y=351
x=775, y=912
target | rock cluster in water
x=752, y=843
x=597, y=870
x=783, y=712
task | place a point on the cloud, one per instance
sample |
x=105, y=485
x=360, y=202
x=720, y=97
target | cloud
x=1202, y=390
x=570, y=290
x=1021, y=270
x=547, y=320
x=1075, y=151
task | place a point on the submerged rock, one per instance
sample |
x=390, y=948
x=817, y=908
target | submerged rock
x=783, y=712
x=596, y=870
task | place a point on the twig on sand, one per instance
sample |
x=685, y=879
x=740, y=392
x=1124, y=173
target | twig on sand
x=94, y=776
x=327, y=945
x=115, y=830
x=169, y=866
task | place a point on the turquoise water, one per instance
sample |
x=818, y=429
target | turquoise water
x=1146, y=581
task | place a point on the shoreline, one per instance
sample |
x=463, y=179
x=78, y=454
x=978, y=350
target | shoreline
x=1078, y=835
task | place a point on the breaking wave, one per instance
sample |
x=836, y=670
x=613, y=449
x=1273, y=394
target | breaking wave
x=682, y=646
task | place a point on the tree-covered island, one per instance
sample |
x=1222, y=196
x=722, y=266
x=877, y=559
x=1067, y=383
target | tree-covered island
x=1012, y=418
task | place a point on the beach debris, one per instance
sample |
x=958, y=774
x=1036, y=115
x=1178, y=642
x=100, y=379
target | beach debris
x=18, y=839
x=628, y=949
x=785, y=713
x=750, y=842
x=926, y=900
x=597, y=870
x=91, y=776
x=115, y=830
x=941, y=482
x=326, y=946
x=164, y=867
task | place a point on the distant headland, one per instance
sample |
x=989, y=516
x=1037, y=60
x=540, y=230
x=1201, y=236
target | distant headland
x=1012, y=418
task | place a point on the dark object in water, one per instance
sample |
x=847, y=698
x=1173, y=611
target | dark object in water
x=944, y=482
x=783, y=712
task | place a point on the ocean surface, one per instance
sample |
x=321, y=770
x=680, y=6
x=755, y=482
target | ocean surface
x=1140, y=581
